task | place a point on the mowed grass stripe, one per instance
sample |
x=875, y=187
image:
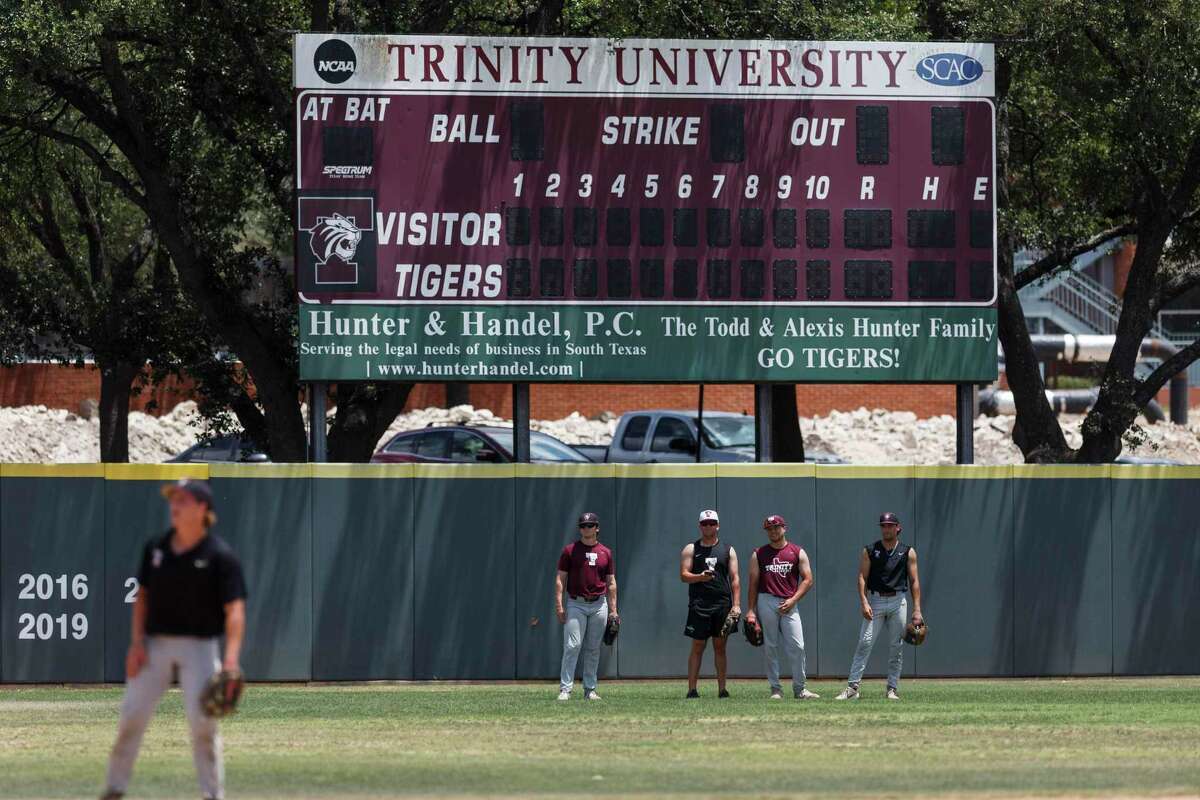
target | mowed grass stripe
x=1104, y=736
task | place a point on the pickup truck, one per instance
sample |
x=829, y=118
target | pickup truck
x=668, y=436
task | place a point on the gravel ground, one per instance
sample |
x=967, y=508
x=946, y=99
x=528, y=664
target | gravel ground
x=41, y=435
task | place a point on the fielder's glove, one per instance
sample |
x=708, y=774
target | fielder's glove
x=221, y=695
x=754, y=634
x=731, y=624
x=915, y=632
x=611, y=629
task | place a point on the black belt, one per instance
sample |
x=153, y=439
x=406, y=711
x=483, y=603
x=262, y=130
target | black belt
x=591, y=599
x=885, y=594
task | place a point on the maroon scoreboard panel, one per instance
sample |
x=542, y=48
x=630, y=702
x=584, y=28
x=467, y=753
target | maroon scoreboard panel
x=726, y=187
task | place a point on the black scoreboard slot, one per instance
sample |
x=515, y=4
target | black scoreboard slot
x=717, y=227
x=981, y=280
x=930, y=228
x=726, y=133
x=719, y=280
x=783, y=223
x=550, y=226
x=550, y=277
x=981, y=229
x=949, y=128
x=784, y=279
x=871, y=133
x=816, y=227
x=685, y=232
x=652, y=224
x=583, y=226
x=868, y=280
x=750, y=225
x=617, y=228
x=348, y=147
x=516, y=226
x=753, y=279
x=867, y=228
x=685, y=282
x=620, y=278
x=586, y=278
x=528, y=130
x=651, y=279
x=518, y=277
x=931, y=280
x=817, y=280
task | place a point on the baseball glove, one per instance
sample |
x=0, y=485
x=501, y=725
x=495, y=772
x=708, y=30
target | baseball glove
x=754, y=634
x=731, y=624
x=611, y=629
x=222, y=693
x=915, y=632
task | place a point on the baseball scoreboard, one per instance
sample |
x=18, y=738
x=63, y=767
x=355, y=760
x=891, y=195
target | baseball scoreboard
x=644, y=210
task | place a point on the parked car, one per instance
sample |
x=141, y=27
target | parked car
x=668, y=436
x=463, y=445
x=222, y=448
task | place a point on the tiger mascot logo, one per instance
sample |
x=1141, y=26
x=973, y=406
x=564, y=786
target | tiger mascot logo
x=335, y=236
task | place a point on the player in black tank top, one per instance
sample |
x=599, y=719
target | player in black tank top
x=709, y=567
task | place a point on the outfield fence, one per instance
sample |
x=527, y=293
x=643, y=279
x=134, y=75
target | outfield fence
x=437, y=572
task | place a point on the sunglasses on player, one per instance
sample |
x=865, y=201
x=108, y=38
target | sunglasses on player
x=708, y=522
x=589, y=525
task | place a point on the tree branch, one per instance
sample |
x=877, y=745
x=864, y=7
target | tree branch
x=1174, y=365
x=1057, y=258
x=88, y=223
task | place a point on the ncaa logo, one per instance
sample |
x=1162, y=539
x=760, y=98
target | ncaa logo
x=335, y=61
x=949, y=69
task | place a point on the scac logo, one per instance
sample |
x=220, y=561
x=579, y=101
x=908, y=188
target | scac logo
x=340, y=255
x=949, y=69
x=335, y=61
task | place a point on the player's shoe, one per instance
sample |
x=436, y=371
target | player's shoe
x=723, y=693
x=892, y=694
x=692, y=694
x=776, y=695
x=849, y=693
x=564, y=695
x=805, y=694
x=111, y=795
x=591, y=694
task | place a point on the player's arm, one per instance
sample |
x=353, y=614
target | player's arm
x=864, y=569
x=752, y=589
x=685, y=567
x=560, y=582
x=612, y=595
x=735, y=582
x=806, y=581
x=235, y=629
x=914, y=585
x=135, y=659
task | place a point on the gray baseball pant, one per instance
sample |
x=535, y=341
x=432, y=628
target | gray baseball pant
x=781, y=630
x=889, y=615
x=583, y=630
x=198, y=660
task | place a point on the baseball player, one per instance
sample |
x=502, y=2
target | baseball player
x=191, y=591
x=887, y=570
x=710, y=569
x=779, y=576
x=587, y=571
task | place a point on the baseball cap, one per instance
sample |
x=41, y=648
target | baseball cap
x=589, y=517
x=709, y=514
x=196, y=488
x=888, y=517
x=773, y=520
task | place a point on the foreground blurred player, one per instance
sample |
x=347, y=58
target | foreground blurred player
x=191, y=591
x=887, y=570
x=710, y=569
x=779, y=576
x=588, y=573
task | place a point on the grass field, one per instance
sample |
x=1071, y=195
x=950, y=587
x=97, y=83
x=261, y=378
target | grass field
x=1127, y=737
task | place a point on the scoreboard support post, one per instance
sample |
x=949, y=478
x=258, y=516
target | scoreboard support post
x=316, y=421
x=964, y=418
x=521, y=423
x=762, y=422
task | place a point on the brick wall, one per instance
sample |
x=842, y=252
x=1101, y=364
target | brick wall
x=63, y=386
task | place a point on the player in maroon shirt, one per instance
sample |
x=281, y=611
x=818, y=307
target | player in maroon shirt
x=588, y=573
x=779, y=576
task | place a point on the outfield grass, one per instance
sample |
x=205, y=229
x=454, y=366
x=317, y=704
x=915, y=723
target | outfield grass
x=1130, y=737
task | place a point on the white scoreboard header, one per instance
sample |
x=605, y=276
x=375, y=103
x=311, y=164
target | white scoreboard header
x=645, y=67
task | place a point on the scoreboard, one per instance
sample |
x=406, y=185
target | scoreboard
x=526, y=190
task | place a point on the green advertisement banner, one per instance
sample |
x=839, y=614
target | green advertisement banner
x=630, y=343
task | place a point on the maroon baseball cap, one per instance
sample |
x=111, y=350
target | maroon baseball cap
x=773, y=520
x=196, y=488
x=887, y=518
x=588, y=518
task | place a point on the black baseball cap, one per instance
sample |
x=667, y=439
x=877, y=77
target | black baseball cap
x=196, y=488
x=888, y=517
x=588, y=518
